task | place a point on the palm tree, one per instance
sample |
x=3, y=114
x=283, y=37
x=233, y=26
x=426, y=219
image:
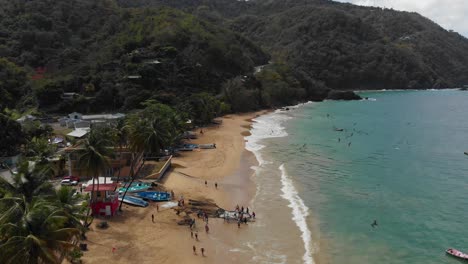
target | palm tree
x=94, y=157
x=73, y=205
x=30, y=181
x=33, y=228
x=120, y=136
x=34, y=232
x=147, y=134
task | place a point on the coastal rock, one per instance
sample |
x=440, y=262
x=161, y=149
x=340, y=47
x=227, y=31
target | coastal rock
x=343, y=95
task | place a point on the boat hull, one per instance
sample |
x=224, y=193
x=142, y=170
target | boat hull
x=134, y=189
x=155, y=196
x=134, y=201
x=457, y=254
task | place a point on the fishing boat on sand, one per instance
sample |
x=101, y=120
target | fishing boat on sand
x=207, y=146
x=235, y=215
x=457, y=254
x=155, y=196
x=136, y=187
x=134, y=201
x=187, y=147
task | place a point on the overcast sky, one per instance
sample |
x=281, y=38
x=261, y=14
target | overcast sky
x=450, y=14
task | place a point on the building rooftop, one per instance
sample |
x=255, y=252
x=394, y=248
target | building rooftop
x=79, y=132
x=103, y=116
x=102, y=187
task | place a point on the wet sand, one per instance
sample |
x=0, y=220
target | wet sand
x=133, y=238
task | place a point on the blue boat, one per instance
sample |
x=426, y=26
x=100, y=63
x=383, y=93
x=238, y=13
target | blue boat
x=133, y=201
x=155, y=196
x=136, y=187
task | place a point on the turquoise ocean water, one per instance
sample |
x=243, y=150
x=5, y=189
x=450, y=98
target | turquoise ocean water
x=399, y=160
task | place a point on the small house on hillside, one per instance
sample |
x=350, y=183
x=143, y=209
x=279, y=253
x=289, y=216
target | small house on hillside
x=75, y=115
x=82, y=124
x=79, y=133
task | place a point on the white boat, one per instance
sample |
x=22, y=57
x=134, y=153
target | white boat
x=457, y=253
x=134, y=201
x=234, y=215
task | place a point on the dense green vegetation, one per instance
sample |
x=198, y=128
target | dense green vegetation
x=341, y=45
x=114, y=58
x=38, y=224
x=116, y=54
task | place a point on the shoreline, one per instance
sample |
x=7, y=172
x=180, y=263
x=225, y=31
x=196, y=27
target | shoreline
x=131, y=235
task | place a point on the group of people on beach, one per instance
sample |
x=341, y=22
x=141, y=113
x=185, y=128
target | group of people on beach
x=204, y=215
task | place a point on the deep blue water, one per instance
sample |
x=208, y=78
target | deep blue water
x=399, y=161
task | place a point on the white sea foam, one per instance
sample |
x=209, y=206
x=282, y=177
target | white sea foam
x=300, y=212
x=270, y=126
x=266, y=126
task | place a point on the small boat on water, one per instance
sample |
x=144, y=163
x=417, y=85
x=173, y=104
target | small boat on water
x=339, y=129
x=466, y=152
x=456, y=253
x=133, y=201
x=136, y=187
x=155, y=196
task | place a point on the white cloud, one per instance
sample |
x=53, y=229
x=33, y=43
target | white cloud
x=450, y=14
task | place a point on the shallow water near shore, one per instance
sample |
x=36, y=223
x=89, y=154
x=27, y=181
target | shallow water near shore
x=399, y=160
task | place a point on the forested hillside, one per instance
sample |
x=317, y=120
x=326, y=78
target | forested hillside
x=342, y=45
x=117, y=53
x=113, y=58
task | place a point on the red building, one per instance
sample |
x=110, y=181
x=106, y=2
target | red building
x=105, y=199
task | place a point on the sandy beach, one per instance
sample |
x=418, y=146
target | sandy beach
x=132, y=237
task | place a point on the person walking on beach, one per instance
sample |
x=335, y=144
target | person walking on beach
x=203, y=252
x=253, y=214
x=157, y=208
x=196, y=236
x=238, y=224
x=247, y=210
x=152, y=218
x=207, y=229
x=194, y=250
x=216, y=185
x=206, y=183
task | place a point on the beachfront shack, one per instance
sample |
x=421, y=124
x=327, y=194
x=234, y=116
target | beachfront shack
x=119, y=163
x=105, y=198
